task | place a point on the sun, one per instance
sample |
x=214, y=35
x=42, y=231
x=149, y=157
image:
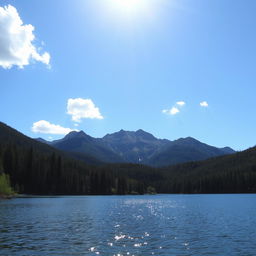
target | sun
x=130, y=11
x=129, y=6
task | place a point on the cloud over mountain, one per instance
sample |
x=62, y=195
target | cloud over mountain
x=48, y=128
x=82, y=108
x=172, y=111
x=175, y=109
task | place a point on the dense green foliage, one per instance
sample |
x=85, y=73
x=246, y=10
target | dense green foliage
x=227, y=174
x=5, y=187
x=37, y=168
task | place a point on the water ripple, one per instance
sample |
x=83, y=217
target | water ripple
x=129, y=225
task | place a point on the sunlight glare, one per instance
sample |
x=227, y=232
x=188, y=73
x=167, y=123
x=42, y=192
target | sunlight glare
x=129, y=7
x=130, y=12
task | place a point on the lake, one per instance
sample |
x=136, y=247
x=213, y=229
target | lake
x=129, y=225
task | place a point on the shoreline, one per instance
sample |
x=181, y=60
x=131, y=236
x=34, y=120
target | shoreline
x=6, y=197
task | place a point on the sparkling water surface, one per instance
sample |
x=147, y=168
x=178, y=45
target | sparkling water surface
x=129, y=225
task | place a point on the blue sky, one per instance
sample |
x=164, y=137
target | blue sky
x=126, y=65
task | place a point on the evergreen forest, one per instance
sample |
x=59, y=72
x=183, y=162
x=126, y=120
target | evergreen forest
x=32, y=167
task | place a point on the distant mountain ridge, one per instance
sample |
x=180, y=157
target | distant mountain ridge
x=137, y=147
x=134, y=147
x=187, y=150
x=37, y=168
x=82, y=143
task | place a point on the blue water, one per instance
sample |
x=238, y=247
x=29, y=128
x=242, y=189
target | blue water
x=129, y=225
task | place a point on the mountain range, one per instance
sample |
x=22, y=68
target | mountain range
x=137, y=147
x=37, y=168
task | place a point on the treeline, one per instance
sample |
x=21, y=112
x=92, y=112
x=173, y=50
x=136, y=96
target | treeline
x=36, y=168
x=5, y=186
x=34, y=172
x=227, y=174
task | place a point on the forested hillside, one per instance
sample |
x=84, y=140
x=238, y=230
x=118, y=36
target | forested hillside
x=234, y=173
x=37, y=168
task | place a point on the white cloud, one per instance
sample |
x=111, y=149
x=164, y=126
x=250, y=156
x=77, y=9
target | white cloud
x=204, y=104
x=172, y=111
x=181, y=103
x=16, y=41
x=175, y=109
x=48, y=128
x=82, y=108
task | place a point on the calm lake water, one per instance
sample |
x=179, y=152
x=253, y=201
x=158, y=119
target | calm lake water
x=129, y=225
